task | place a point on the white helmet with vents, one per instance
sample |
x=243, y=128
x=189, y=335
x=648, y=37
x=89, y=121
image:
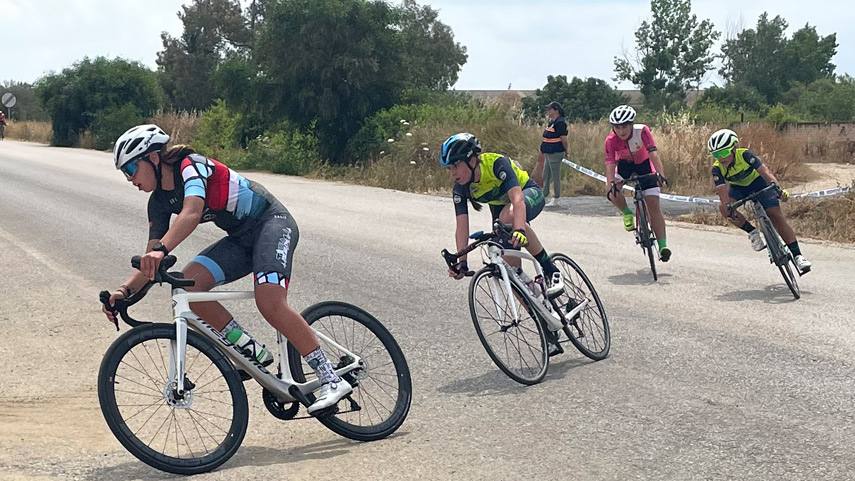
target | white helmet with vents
x=138, y=141
x=722, y=139
x=622, y=114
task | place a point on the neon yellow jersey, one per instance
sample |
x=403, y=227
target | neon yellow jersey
x=742, y=172
x=499, y=174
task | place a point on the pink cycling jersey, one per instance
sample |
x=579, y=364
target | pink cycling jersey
x=635, y=150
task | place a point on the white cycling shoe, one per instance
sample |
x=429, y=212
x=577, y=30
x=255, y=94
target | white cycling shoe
x=556, y=285
x=330, y=394
x=756, y=240
x=802, y=264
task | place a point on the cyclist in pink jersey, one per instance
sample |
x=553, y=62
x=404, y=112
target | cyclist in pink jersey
x=630, y=149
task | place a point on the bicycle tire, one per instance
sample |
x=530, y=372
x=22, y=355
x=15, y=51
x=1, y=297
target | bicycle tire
x=108, y=380
x=646, y=238
x=539, y=371
x=583, y=347
x=341, y=423
x=781, y=256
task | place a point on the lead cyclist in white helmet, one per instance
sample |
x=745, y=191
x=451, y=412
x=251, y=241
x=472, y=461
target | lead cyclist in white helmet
x=631, y=149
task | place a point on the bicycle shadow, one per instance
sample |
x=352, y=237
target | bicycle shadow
x=245, y=456
x=496, y=383
x=641, y=278
x=772, y=294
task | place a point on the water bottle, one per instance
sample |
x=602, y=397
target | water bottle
x=530, y=283
x=249, y=347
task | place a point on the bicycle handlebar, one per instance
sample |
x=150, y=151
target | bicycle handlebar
x=500, y=232
x=755, y=195
x=163, y=275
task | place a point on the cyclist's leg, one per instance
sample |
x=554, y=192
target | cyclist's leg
x=505, y=215
x=223, y=261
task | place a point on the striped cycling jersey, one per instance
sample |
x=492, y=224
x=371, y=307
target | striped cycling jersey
x=232, y=202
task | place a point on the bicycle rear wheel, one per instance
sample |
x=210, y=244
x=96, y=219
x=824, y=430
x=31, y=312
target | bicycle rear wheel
x=517, y=347
x=188, y=434
x=645, y=235
x=382, y=389
x=589, y=329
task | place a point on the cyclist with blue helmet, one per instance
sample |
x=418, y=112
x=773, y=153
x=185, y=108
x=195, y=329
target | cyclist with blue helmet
x=502, y=184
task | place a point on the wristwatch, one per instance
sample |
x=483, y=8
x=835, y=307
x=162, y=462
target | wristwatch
x=160, y=247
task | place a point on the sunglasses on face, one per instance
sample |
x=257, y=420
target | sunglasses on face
x=722, y=154
x=130, y=169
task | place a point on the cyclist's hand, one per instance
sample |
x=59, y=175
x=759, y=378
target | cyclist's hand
x=518, y=238
x=784, y=194
x=110, y=313
x=150, y=262
x=458, y=271
x=662, y=180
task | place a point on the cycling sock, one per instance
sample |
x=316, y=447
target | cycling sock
x=794, y=248
x=322, y=367
x=747, y=227
x=626, y=211
x=543, y=259
x=662, y=243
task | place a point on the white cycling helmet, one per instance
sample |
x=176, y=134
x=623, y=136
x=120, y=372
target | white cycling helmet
x=722, y=139
x=138, y=141
x=622, y=114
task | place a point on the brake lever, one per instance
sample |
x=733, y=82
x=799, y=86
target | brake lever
x=105, y=299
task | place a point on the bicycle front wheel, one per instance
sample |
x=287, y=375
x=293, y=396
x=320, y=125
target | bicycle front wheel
x=516, y=346
x=646, y=236
x=589, y=329
x=382, y=389
x=182, y=434
x=781, y=256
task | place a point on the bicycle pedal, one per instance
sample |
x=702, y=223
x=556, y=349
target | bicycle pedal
x=324, y=413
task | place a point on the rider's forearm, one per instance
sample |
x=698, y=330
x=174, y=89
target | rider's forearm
x=183, y=226
x=610, y=172
x=461, y=234
x=657, y=162
x=135, y=282
x=767, y=174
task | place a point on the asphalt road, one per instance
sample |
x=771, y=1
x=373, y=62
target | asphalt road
x=715, y=372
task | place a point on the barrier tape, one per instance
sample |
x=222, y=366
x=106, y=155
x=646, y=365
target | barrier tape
x=701, y=200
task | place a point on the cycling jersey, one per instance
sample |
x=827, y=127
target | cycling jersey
x=499, y=174
x=742, y=172
x=232, y=202
x=635, y=150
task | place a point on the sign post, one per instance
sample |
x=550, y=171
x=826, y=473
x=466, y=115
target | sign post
x=9, y=100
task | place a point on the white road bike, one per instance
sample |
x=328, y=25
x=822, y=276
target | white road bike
x=173, y=395
x=516, y=318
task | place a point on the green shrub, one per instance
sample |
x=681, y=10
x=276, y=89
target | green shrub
x=781, y=114
x=284, y=151
x=112, y=122
x=218, y=130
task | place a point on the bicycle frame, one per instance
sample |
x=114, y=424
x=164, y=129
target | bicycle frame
x=553, y=320
x=286, y=389
x=779, y=253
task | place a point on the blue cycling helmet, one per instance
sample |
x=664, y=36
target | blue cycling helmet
x=458, y=147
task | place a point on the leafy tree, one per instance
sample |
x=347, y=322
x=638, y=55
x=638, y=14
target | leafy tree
x=830, y=100
x=763, y=57
x=431, y=57
x=212, y=29
x=739, y=97
x=672, y=53
x=588, y=99
x=75, y=97
x=332, y=62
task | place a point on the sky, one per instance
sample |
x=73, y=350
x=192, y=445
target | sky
x=509, y=42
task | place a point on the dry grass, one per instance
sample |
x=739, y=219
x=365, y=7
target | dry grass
x=180, y=126
x=29, y=131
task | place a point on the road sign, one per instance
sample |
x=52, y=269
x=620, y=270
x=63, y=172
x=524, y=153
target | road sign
x=9, y=100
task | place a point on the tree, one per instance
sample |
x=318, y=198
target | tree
x=831, y=100
x=672, y=53
x=763, y=57
x=431, y=57
x=212, y=29
x=586, y=100
x=738, y=97
x=80, y=94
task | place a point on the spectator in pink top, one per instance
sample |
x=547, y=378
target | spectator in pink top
x=630, y=149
